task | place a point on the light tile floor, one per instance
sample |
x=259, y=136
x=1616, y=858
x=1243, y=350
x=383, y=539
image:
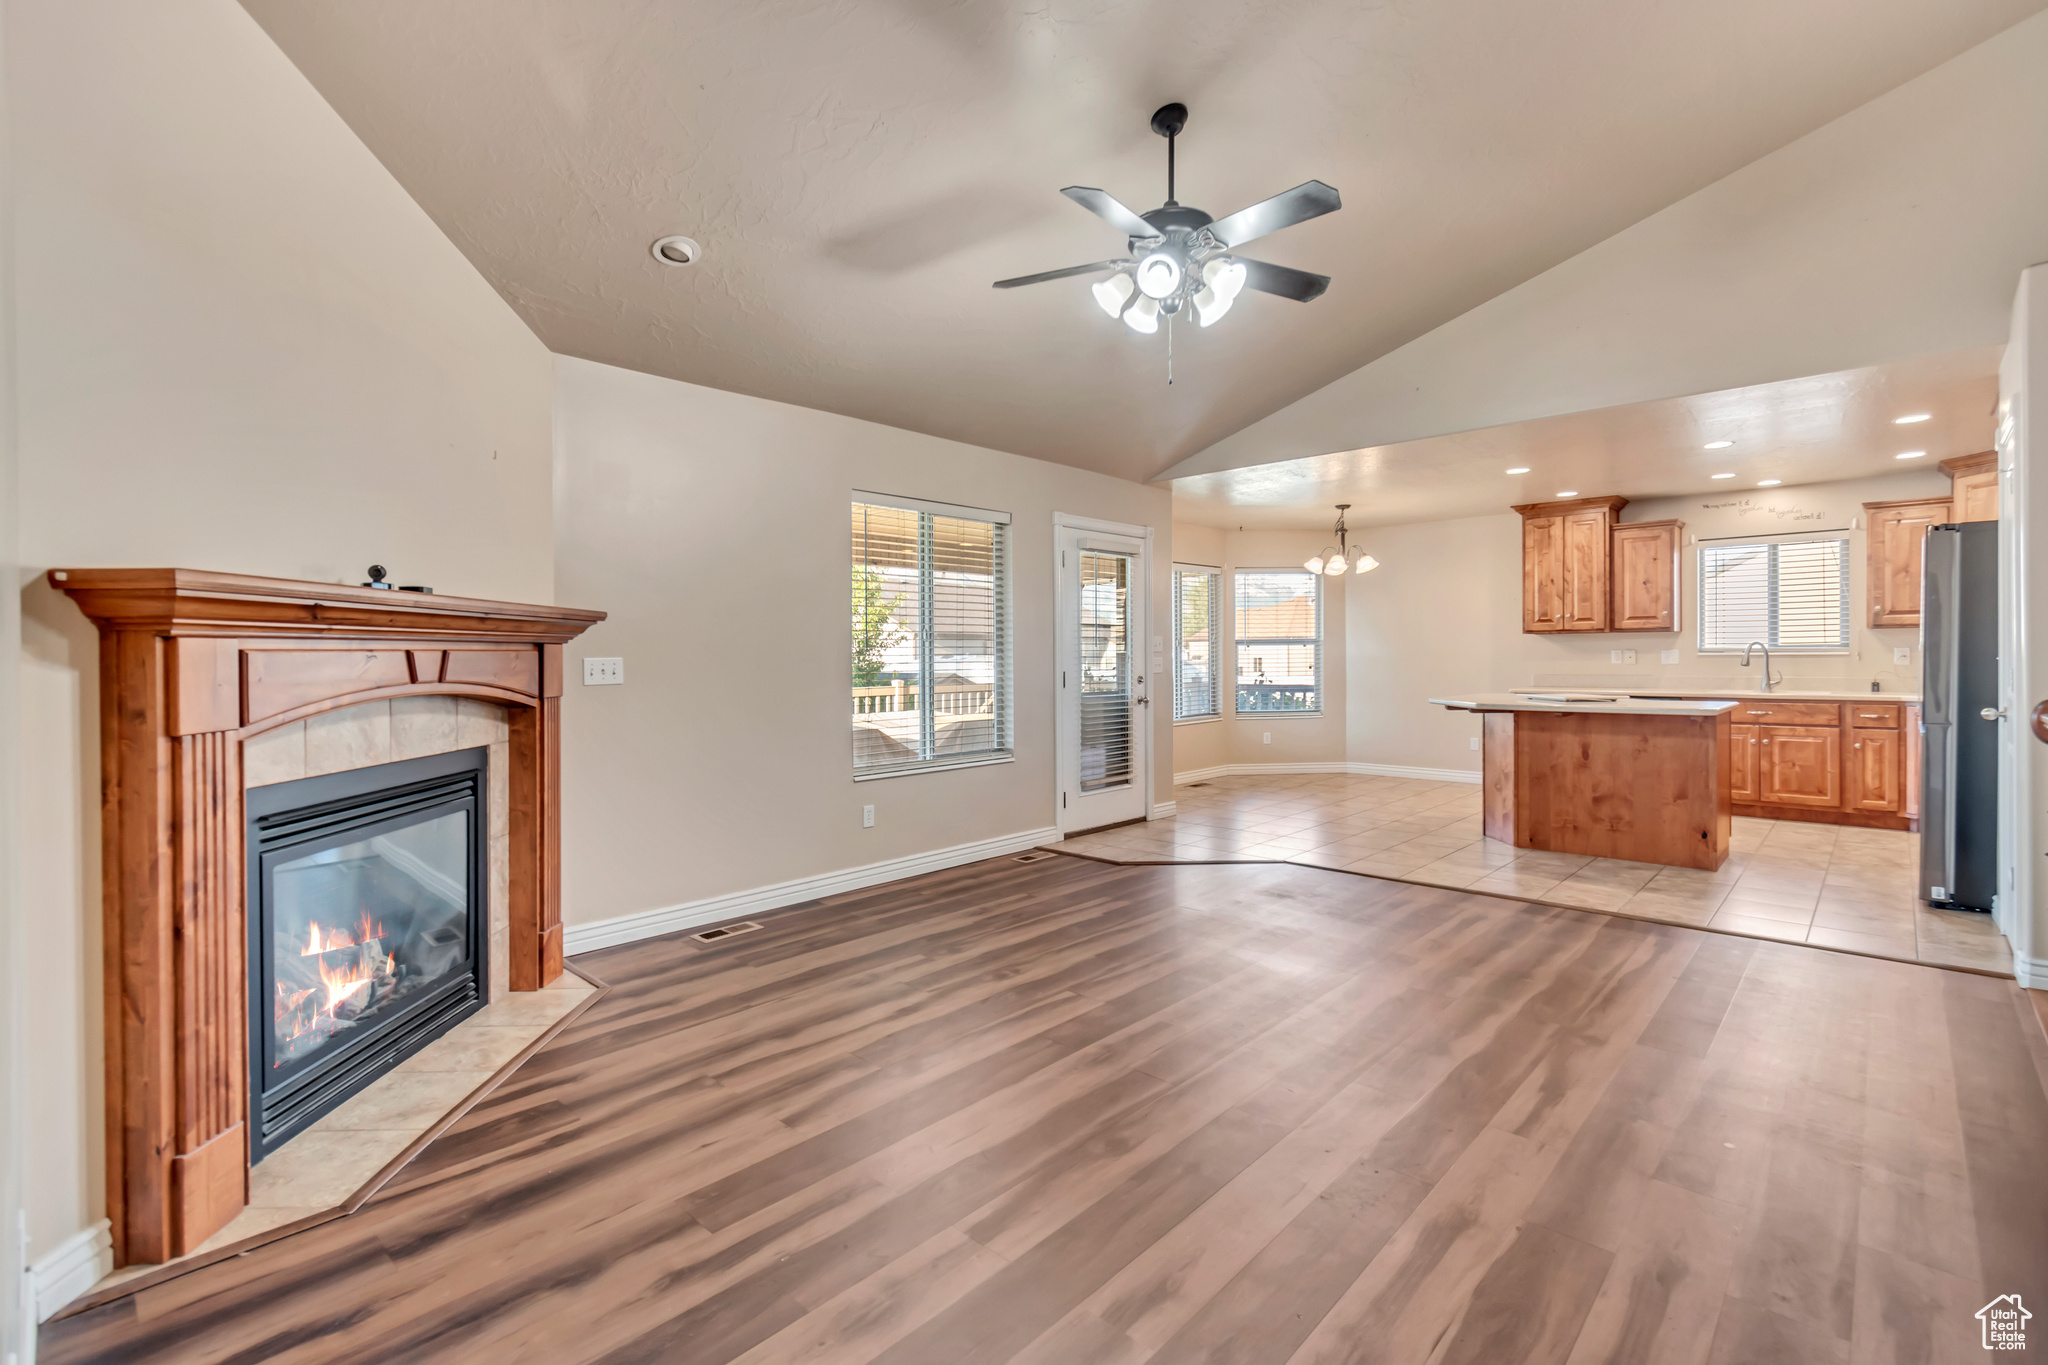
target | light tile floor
x=1830, y=885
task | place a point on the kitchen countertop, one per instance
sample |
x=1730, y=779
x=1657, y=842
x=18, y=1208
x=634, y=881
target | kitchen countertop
x=1737, y=694
x=1625, y=705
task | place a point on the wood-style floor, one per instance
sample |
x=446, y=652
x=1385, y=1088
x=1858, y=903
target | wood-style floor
x=1069, y=1112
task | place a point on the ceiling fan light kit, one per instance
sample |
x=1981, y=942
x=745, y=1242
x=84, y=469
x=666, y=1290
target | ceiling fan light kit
x=1180, y=256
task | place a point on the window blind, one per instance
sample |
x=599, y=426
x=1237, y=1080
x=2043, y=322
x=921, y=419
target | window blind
x=1789, y=594
x=930, y=661
x=1105, y=659
x=1279, y=640
x=1197, y=690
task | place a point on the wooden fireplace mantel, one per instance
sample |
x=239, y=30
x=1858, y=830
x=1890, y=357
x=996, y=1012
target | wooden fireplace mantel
x=192, y=664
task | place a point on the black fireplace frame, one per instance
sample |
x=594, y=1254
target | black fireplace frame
x=288, y=820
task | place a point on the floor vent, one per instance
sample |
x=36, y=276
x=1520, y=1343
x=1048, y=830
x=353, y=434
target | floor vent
x=1036, y=855
x=725, y=931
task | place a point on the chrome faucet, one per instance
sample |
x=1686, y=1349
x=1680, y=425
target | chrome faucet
x=1765, y=685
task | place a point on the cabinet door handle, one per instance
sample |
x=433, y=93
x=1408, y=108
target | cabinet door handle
x=1857, y=745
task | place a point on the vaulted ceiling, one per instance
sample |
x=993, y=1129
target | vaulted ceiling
x=859, y=171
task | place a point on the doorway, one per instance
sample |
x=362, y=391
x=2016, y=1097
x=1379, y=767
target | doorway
x=1105, y=704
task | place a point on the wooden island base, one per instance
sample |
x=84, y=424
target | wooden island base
x=1644, y=788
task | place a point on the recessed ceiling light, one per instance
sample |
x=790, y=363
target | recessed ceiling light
x=1724, y=476
x=1768, y=483
x=1569, y=493
x=677, y=251
x=1522, y=469
x=1719, y=445
x=1911, y=418
x=1909, y=455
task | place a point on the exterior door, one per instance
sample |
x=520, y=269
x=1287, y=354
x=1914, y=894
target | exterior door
x=1104, y=699
x=1801, y=765
x=1743, y=750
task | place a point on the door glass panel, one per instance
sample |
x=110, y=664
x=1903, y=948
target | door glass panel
x=1105, y=671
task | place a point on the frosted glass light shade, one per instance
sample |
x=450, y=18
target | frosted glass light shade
x=1158, y=275
x=1113, y=293
x=1366, y=564
x=1314, y=564
x=1143, y=316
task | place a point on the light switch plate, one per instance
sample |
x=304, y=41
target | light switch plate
x=1669, y=656
x=1614, y=656
x=1475, y=743
x=867, y=817
x=1266, y=737
x=604, y=672
x=1902, y=654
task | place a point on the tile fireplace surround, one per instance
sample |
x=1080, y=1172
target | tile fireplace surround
x=213, y=683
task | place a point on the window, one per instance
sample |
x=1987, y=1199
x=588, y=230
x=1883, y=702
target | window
x=1279, y=640
x=931, y=649
x=1197, y=691
x=1790, y=594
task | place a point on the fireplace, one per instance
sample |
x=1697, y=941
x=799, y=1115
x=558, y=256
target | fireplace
x=368, y=928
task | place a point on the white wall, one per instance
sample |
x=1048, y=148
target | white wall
x=242, y=347
x=17, y=1316
x=1894, y=231
x=1443, y=614
x=714, y=528
x=1235, y=739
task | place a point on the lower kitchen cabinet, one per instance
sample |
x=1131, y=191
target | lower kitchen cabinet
x=1743, y=748
x=1800, y=765
x=1876, y=772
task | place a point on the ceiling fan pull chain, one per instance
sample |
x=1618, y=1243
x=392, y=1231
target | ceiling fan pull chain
x=1169, y=350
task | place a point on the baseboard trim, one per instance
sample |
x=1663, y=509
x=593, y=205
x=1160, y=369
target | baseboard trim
x=610, y=933
x=2031, y=972
x=1164, y=810
x=79, y=1262
x=1352, y=769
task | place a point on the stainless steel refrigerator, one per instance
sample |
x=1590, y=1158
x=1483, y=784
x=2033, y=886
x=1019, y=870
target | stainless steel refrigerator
x=1959, y=704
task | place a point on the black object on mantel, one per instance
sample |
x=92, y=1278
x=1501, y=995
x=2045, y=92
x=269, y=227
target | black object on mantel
x=377, y=572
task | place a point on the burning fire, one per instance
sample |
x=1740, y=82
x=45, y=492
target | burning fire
x=366, y=931
x=354, y=967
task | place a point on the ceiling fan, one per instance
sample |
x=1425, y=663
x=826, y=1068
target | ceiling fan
x=1181, y=256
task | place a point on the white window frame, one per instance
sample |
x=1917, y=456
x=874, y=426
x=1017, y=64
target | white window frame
x=1237, y=642
x=1790, y=538
x=1005, y=660
x=1215, y=574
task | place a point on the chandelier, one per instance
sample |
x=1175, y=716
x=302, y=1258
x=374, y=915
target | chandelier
x=1334, y=562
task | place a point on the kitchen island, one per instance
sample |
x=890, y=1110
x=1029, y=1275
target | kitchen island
x=1641, y=779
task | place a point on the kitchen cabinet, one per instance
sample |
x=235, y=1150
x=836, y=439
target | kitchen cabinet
x=1800, y=765
x=1911, y=736
x=1646, y=575
x=1743, y=749
x=1896, y=532
x=1567, y=556
x=1973, y=486
x=1876, y=774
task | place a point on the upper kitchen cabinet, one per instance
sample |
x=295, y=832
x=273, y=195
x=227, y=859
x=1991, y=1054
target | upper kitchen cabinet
x=1567, y=559
x=1645, y=567
x=1897, y=533
x=1973, y=491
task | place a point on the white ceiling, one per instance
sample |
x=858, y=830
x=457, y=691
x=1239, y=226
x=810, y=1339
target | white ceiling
x=860, y=170
x=1834, y=426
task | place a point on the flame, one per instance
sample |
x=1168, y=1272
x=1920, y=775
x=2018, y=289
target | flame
x=341, y=983
x=367, y=931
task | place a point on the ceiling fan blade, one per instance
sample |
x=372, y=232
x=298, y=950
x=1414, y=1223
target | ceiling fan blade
x=1285, y=281
x=1045, y=275
x=1297, y=205
x=1111, y=211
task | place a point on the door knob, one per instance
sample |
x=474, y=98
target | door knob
x=1993, y=713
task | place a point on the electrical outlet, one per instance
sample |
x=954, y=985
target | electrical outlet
x=603, y=672
x=1475, y=744
x=1614, y=656
x=1266, y=737
x=867, y=817
x=1902, y=654
x=1669, y=656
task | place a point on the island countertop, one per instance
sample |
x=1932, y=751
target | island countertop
x=1618, y=706
x=1776, y=694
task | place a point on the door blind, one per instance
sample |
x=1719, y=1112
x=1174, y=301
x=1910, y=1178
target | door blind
x=1279, y=640
x=1197, y=691
x=1787, y=594
x=931, y=667
x=1105, y=657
